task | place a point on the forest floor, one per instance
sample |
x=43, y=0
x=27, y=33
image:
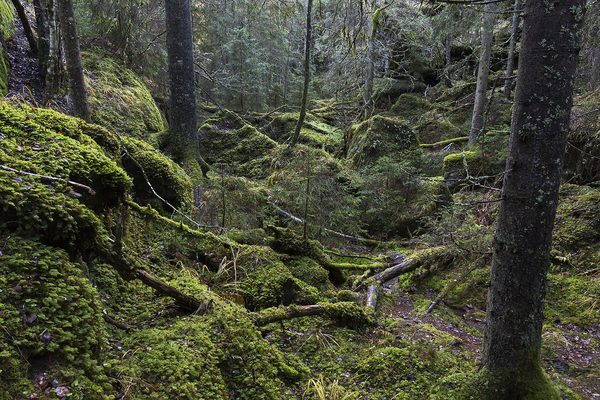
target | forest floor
x=574, y=351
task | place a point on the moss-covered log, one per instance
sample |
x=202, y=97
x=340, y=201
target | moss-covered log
x=349, y=313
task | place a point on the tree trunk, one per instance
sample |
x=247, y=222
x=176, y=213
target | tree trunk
x=43, y=33
x=511, y=49
x=483, y=73
x=68, y=27
x=307, y=45
x=53, y=60
x=183, y=120
x=26, y=27
x=543, y=100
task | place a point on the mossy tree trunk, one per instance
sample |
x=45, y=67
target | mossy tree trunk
x=510, y=65
x=540, y=125
x=483, y=73
x=307, y=46
x=183, y=120
x=68, y=27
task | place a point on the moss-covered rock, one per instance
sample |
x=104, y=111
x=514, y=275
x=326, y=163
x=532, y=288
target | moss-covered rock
x=388, y=90
x=51, y=318
x=410, y=105
x=380, y=136
x=577, y=223
x=48, y=143
x=226, y=140
x=119, y=100
x=459, y=166
x=146, y=164
x=315, y=131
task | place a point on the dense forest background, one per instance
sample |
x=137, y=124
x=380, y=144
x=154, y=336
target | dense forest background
x=353, y=265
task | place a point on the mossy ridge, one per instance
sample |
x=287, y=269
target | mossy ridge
x=51, y=317
x=119, y=100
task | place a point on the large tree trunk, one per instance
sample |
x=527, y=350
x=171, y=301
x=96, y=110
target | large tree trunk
x=543, y=100
x=68, y=27
x=510, y=65
x=307, y=45
x=483, y=73
x=183, y=120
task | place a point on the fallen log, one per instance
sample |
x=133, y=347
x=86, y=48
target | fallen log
x=346, y=312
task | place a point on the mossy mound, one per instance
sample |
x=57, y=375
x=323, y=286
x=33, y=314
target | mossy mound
x=577, y=224
x=582, y=160
x=119, y=100
x=51, y=319
x=315, y=131
x=216, y=355
x=409, y=106
x=386, y=91
x=146, y=164
x=226, y=140
x=380, y=136
x=48, y=143
x=460, y=166
x=434, y=127
x=7, y=21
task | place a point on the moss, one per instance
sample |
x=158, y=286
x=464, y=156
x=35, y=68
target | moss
x=50, y=315
x=227, y=141
x=435, y=127
x=410, y=105
x=577, y=222
x=378, y=137
x=119, y=100
x=459, y=166
x=217, y=355
x=168, y=179
x=48, y=143
x=7, y=21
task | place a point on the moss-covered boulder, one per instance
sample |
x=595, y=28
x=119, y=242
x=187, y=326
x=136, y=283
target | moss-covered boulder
x=7, y=21
x=315, y=131
x=582, y=159
x=51, y=319
x=48, y=143
x=409, y=106
x=380, y=136
x=146, y=164
x=386, y=91
x=577, y=224
x=228, y=142
x=119, y=99
x=434, y=127
x=460, y=166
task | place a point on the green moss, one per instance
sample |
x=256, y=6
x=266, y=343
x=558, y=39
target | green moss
x=50, y=315
x=378, y=137
x=227, y=141
x=459, y=166
x=119, y=100
x=410, y=105
x=577, y=219
x=167, y=178
x=48, y=143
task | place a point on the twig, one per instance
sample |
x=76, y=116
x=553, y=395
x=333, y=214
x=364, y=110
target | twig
x=49, y=178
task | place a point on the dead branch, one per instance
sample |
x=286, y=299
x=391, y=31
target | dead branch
x=49, y=178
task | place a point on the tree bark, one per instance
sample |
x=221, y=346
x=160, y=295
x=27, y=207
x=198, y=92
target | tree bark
x=68, y=27
x=26, y=27
x=43, y=32
x=183, y=120
x=307, y=46
x=511, y=49
x=540, y=125
x=483, y=73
